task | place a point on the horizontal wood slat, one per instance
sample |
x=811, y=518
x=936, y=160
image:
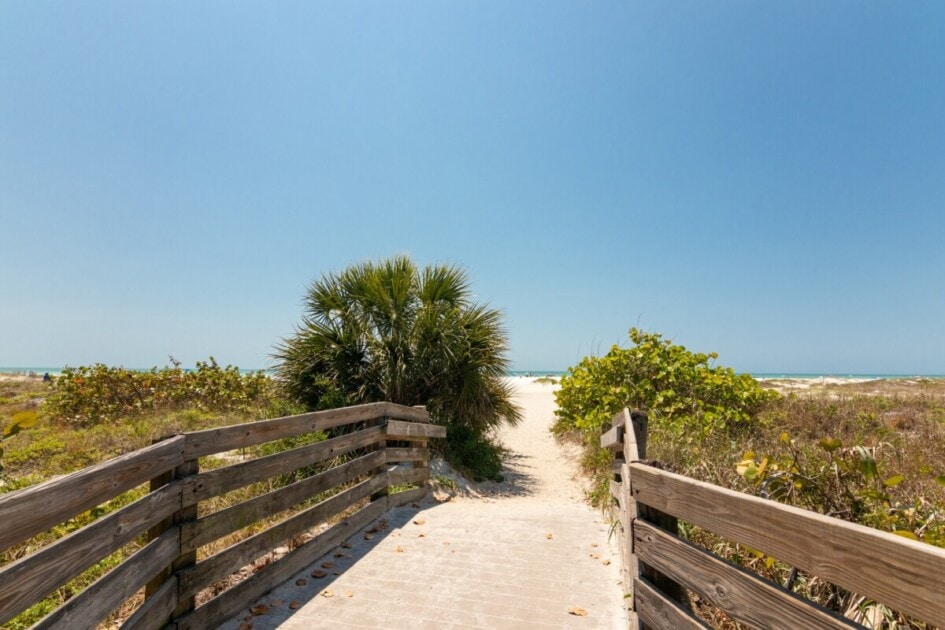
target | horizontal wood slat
x=397, y=499
x=215, y=482
x=33, y=510
x=156, y=610
x=220, y=608
x=400, y=412
x=401, y=476
x=34, y=576
x=96, y=602
x=219, y=565
x=745, y=596
x=408, y=454
x=210, y=441
x=402, y=429
x=661, y=613
x=612, y=440
x=890, y=569
x=216, y=525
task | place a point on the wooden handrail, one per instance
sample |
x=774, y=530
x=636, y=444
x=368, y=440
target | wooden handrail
x=903, y=574
x=356, y=468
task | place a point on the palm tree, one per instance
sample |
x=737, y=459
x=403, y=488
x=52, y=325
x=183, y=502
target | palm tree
x=390, y=331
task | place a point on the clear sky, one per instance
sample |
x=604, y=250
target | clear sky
x=761, y=179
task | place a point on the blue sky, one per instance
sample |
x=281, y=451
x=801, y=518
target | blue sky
x=763, y=180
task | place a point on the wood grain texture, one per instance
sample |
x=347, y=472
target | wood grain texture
x=213, y=526
x=402, y=429
x=222, y=480
x=30, y=511
x=31, y=578
x=201, y=443
x=400, y=412
x=156, y=611
x=401, y=454
x=222, y=607
x=245, y=551
x=400, y=476
x=661, y=613
x=96, y=602
x=903, y=574
x=743, y=595
x=398, y=499
x=612, y=440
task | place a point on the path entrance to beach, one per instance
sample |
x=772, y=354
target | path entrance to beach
x=526, y=553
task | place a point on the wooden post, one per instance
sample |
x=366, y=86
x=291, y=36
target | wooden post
x=636, y=436
x=158, y=482
x=186, y=514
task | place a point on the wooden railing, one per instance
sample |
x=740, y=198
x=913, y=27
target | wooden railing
x=369, y=449
x=657, y=564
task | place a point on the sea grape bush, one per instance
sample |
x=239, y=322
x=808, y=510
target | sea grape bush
x=88, y=395
x=681, y=390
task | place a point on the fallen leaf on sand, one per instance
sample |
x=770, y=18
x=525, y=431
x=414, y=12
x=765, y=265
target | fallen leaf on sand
x=295, y=604
x=318, y=573
x=399, y=549
x=327, y=593
x=301, y=582
x=577, y=611
x=593, y=544
x=349, y=594
x=421, y=535
x=596, y=556
x=606, y=562
x=339, y=554
x=275, y=603
x=368, y=536
x=259, y=609
x=549, y=536
x=346, y=545
x=418, y=521
x=327, y=565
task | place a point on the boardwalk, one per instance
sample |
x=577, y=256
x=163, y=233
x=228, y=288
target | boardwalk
x=527, y=553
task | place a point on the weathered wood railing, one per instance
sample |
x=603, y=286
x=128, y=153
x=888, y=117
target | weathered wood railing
x=902, y=574
x=377, y=442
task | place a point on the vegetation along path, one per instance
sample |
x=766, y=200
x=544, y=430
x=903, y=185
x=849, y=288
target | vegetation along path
x=525, y=553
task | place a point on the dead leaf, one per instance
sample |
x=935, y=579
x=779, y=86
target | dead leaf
x=318, y=573
x=245, y=626
x=593, y=544
x=339, y=554
x=349, y=594
x=346, y=545
x=295, y=604
x=606, y=562
x=368, y=536
x=327, y=565
x=577, y=611
x=421, y=535
x=301, y=582
x=327, y=593
x=596, y=556
x=259, y=609
x=418, y=521
x=549, y=536
x=275, y=603
x=399, y=549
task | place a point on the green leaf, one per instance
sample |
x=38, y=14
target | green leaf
x=830, y=444
x=867, y=463
x=893, y=481
x=940, y=480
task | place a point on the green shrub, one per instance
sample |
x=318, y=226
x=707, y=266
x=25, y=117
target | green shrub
x=474, y=454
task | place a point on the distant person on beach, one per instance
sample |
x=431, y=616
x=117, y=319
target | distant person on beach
x=46, y=377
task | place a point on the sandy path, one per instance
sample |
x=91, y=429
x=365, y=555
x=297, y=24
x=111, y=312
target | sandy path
x=520, y=554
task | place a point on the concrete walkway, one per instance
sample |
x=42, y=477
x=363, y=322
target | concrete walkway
x=527, y=553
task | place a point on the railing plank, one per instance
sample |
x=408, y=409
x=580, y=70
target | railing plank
x=227, y=604
x=201, y=443
x=661, y=613
x=156, y=611
x=219, y=524
x=400, y=476
x=612, y=440
x=403, y=429
x=32, y=577
x=397, y=454
x=890, y=569
x=219, y=565
x=745, y=596
x=215, y=482
x=401, y=412
x=99, y=600
x=398, y=499
x=25, y=513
